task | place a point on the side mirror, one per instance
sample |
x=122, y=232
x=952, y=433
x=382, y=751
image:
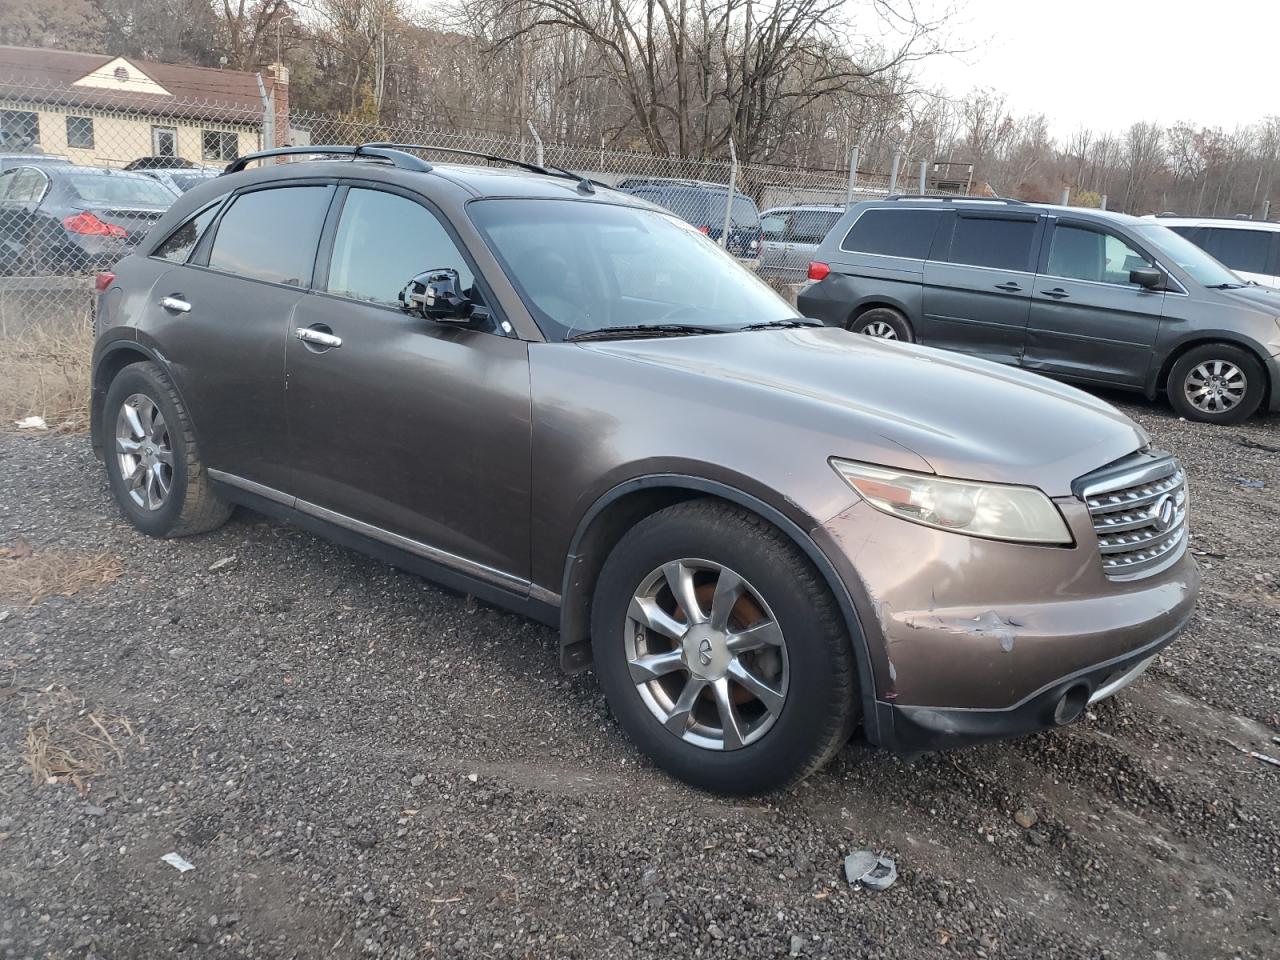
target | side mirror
x=438, y=295
x=1148, y=278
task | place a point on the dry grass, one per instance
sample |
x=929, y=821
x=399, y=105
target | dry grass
x=28, y=576
x=73, y=744
x=44, y=370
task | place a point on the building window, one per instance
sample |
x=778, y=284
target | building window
x=220, y=145
x=18, y=129
x=80, y=132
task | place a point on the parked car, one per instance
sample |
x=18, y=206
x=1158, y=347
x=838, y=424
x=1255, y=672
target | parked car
x=1095, y=297
x=181, y=180
x=10, y=160
x=1251, y=248
x=64, y=218
x=703, y=205
x=791, y=238
x=763, y=533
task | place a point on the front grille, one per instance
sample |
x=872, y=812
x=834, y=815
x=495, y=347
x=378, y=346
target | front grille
x=1140, y=516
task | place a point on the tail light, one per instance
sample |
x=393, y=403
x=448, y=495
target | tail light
x=103, y=280
x=86, y=224
x=818, y=270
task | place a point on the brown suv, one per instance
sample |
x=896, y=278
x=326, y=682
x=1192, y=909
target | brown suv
x=762, y=533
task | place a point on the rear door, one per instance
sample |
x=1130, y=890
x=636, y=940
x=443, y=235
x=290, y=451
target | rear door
x=221, y=320
x=1087, y=320
x=24, y=188
x=977, y=285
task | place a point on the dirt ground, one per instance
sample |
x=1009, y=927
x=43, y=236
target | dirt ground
x=358, y=763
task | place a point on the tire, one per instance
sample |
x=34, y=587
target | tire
x=883, y=323
x=812, y=668
x=186, y=505
x=1234, y=379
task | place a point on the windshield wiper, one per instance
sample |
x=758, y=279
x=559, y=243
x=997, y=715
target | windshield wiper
x=644, y=330
x=783, y=324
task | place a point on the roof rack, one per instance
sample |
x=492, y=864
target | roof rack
x=371, y=151
x=1191, y=216
x=678, y=181
x=394, y=153
x=952, y=198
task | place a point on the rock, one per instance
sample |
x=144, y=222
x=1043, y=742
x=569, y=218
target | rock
x=418, y=780
x=649, y=877
x=5, y=615
x=221, y=564
x=716, y=932
x=96, y=811
x=797, y=946
x=366, y=841
x=473, y=777
x=1026, y=819
x=179, y=652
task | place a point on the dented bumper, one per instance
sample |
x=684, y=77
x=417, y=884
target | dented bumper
x=970, y=639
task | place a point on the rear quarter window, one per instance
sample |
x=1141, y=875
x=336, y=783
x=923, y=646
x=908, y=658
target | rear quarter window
x=893, y=233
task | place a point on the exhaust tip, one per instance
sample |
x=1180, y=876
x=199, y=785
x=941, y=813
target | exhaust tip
x=1071, y=705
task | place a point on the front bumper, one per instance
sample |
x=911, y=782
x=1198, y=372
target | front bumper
x=972, y=639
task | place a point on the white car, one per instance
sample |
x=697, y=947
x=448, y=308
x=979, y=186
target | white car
x=1251, y=248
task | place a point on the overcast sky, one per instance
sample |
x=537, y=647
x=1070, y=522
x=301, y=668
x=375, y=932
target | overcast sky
x=1107, y=63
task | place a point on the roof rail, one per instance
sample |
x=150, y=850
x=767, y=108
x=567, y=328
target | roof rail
x=371, y=151
x=953, y=197
x=550, y=170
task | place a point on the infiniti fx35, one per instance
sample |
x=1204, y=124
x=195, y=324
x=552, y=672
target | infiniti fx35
x=763, y=534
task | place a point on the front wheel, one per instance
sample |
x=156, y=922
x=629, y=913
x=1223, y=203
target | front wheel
x=721, y=651
x=1216, y=383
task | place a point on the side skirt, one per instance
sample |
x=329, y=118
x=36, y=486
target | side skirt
x=274, y=504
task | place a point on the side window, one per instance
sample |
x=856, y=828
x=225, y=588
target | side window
x=811, y=226
x=773, y=226
x=1078, y=253
x=179, y=244
x=7, y=180
x=271, y=234
x=893, y=233
x=383, y=242
x=1239, y=249
x=28, y=185
x=1002, y=243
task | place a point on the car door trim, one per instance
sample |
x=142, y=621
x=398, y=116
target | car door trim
x=471, y=568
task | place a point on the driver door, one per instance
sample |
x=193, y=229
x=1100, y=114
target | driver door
x=412, y=432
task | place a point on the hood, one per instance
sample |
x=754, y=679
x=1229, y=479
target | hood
x=1255, y=297
x=964, y=417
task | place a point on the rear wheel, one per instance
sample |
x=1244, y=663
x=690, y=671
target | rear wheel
x=884, y=324
x=1216, y=383
x=153, y=463
x=721, y=650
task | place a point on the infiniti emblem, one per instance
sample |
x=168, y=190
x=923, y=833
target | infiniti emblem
x=1162, y=513
x=704, y=651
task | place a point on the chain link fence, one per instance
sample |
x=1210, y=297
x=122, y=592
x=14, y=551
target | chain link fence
x=86, y=171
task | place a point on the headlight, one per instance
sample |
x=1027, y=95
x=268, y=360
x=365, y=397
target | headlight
x=994, y=510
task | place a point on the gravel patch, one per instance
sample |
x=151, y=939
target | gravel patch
x=357, y=763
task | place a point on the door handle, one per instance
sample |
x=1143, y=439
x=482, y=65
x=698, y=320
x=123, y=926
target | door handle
x=318, y=337
x=1008, y=287
x=1057, y=293
x=175, y=304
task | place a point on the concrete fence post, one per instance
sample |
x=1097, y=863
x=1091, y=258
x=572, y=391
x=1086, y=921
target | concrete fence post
x=728, y=200
x=853, y=175
x=893, y=173
x=924, y=177
x=1066, y=196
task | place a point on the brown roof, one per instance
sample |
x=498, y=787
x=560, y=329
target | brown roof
x=47, y=76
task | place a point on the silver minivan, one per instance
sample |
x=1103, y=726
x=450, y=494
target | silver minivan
x=791, y=238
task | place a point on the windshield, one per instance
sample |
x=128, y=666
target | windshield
x=582, y=266
x=117, y=189
x=1203, y=268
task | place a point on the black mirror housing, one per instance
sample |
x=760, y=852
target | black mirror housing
x=1148, y=277
x=437, y=295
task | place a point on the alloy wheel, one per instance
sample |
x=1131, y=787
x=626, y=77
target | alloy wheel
x=1215, y=386
x=706, y=654
x=144, y=451
x=880, y=329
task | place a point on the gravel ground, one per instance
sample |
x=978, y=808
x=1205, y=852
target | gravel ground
x=358, y=763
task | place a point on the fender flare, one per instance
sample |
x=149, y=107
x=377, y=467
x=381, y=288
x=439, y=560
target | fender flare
x=794, y=532
x=98, y=391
